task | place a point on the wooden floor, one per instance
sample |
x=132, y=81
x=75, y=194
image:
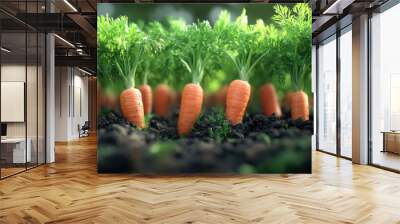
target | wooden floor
x=70, y=191
x=5, y=172
x=387, y=159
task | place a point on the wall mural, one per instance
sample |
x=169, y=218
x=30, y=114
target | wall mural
x=204, y=88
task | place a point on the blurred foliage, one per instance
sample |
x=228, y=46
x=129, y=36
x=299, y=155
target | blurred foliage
x=161, y=149
x=177, y=53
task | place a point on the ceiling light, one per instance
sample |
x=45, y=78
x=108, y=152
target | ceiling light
x=337, y=7
x=80, y=51
x=84, y=71
x=70, y=5
x=5, y=50
x=64, y=40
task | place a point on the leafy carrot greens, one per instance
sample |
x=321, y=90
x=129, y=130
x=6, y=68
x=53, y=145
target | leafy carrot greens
x=195, y=48
x=295, y=25
x=243, y=47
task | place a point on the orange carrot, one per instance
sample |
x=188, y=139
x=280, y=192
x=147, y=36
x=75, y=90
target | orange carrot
x=174, y=98
x=237, y=98
x=221, y=96
x=299, y=105
x=108, y=100
x=269, y=100
x=132, y=106
x=147, y=97
x=177, y=97
x=162, y=98
x=209, y=99
x=287, y=99
x=191, y=104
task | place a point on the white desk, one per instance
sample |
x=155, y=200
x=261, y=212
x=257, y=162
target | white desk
x=18, y=145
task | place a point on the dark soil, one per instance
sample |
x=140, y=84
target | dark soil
x=260, y=144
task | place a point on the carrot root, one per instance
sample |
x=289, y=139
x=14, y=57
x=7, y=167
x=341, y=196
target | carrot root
x=299, y=106
x=237, y=98
x=287, y=101
x=162, y=98
x=132, y=106
x=108, y=100
x=221, y=96
x=147, y=98
x=191, y=104
x=269, y=101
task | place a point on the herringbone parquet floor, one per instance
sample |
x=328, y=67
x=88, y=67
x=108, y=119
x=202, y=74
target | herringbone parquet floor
x=70, y=191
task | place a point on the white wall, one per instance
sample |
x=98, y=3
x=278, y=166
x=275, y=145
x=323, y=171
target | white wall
x=62, y=81
x=80, y=94
x=71, y=87
x=10, y=73
x=16, y=73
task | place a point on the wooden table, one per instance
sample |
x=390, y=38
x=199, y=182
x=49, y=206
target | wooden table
x=391, y=141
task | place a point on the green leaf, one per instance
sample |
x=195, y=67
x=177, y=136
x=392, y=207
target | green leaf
x=186, y=65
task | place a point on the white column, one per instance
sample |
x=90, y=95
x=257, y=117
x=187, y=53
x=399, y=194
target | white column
x=50, y=109
x=314, y=90
x=50, y=92
x=360, y=90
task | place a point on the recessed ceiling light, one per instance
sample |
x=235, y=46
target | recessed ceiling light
x=337, y=7
x=84, y=71
x=5, y=50
x=70, y=5
x=64, y=40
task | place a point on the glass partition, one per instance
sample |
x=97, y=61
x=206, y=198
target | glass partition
x=22, y=67
x=385, y=89
x=327, y=95
x=346, y=92
x=15, y=150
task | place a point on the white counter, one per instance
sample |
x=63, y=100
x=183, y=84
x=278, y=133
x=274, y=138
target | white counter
x=18, y=145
